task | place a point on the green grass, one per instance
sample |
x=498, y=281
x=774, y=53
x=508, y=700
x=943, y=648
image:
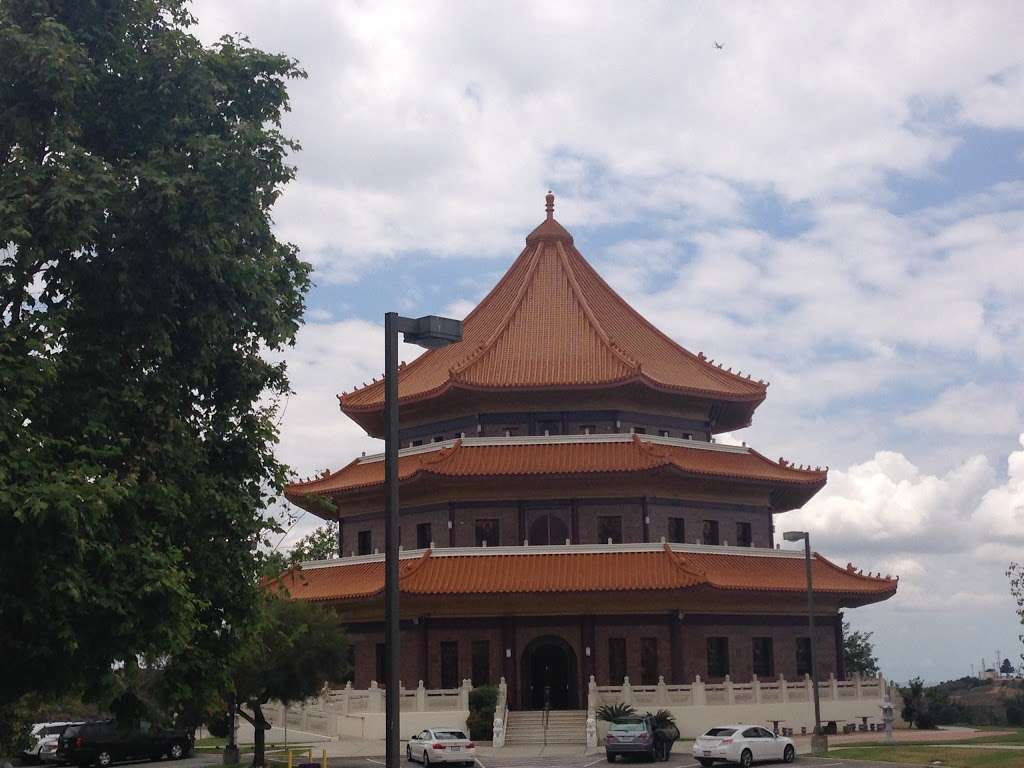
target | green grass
x=946, y=738
x=948, y=756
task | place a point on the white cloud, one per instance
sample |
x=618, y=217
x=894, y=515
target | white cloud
x=968, y=409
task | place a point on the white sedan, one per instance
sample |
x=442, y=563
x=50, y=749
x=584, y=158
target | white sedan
x=441, y=745
x=743, y=744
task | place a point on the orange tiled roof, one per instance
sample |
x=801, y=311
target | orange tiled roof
x=552, y=322
x=599, y=568
x=566, y=455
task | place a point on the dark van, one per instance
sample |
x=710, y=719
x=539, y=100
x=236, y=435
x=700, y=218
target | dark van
x=104, y=742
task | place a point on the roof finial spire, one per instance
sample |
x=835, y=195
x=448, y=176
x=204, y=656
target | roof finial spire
x=550, y=204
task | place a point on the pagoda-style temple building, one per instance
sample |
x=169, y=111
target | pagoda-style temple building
x=566, y=511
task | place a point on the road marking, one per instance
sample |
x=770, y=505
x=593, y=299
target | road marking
x=590, y=764
x=375, y=762
x=477, y=761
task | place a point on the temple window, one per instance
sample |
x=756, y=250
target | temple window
x=710, y=532
x=449, y=664
x=718, y=656
x=365, y=542
x=488, y=532
x=744, y=538
x=549, y=427
x=548, y=529
x=423, y=536
x=803, y=656
x=648, y=661
x=764, y=658
x=414, y=443
x=616, y=660
x=677, y=530
x=609, y=529
x=380, y=657
x=639, y=430
x=481, y=658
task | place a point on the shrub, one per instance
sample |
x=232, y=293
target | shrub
x=482, y=702
x=1015, y=711
x=614, y=712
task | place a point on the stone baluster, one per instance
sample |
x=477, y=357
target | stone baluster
x=375, y=701
x=833, y=685
x=809, y=687
x=464, y=690
x=421, y=697
x=783, y=689
x=627, y=691
x=730, y=694
x=345, y=694
x=755, y=689
x=661, y=693
x=698, y=693
x=498, y=732
x=857, y=686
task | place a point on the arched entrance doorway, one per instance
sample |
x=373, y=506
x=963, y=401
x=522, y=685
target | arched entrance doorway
x=549, y=674
x=548, y=528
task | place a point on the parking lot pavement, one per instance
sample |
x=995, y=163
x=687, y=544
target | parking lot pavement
x=683, y=760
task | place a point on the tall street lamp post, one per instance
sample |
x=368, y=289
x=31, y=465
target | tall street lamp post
x=429, y=331
x=819, y=742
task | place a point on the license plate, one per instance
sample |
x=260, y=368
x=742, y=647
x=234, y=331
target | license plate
x=456, y=749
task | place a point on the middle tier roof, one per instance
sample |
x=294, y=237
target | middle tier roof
x=567, y=455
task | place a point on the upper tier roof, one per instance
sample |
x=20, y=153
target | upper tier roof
x=552, y=323
x=584, y=568
x=561, y=455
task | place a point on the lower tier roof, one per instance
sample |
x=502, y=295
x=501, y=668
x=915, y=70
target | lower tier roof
x=568, y=455
x=582, y=569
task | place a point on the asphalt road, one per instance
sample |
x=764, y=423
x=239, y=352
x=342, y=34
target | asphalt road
x=682, y=760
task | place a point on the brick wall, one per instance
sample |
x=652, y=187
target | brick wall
x=760, y=520
x=633, y=634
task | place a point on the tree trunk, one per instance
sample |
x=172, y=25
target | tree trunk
x=260, y=726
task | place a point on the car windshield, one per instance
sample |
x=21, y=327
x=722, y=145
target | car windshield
x=718, y=732
x=449, y=735
x=627, y=727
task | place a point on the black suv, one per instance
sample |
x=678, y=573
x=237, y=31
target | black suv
x=102, y=743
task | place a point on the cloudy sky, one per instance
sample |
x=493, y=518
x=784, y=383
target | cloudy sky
x=834, y=202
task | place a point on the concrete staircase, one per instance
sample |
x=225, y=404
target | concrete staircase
x=563, y=726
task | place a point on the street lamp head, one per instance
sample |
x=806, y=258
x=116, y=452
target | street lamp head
x=794, y=535
x=433, y=331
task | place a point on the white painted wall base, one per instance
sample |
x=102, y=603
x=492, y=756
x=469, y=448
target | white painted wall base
x=370, y=726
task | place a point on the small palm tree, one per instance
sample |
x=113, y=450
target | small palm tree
x=662, y=719
x=612, y=713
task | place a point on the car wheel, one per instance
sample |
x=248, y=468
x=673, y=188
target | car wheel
x=746, y=758
x=103, y=759
x=609, y=757
x=789, y=754
x=177, y=751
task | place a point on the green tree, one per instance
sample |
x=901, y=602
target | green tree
x=915, y=705
x=297, y=648
x=1015, y=573
x=320, y=544
x=140, y=284
x=858, y=652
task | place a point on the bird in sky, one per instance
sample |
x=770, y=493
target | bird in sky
x=719, y=46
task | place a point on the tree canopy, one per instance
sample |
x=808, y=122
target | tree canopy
x=1015, y=572
x=140, y=286
x=297, y=648
x=858, y=652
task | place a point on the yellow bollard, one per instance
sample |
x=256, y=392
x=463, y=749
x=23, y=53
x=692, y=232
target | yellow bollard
x=323, y=759
x=289, y=758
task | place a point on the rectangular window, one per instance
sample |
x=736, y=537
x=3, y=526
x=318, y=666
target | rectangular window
x=744, y=538
x=365, y=543
x=710, y=532
x=764, y=657
x=481, y=662
x=449, y=664
x=609, y=527
x=423, y=537
x=416, y=442
x=677, y=530
x=648, y=661
x=488, y=532
x=381, y=664
x=616, y=660
x=639, y=430
x=549, y=427
x=718, y=656
x=803, y=656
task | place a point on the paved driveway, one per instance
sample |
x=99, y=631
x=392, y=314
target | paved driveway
x=681, y=760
